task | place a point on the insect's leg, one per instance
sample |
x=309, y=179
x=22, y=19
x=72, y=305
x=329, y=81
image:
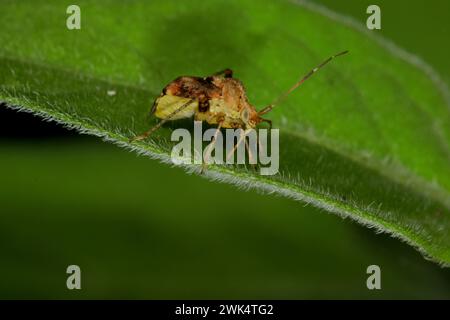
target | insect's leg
x=241, y=138
x=260, y=145
x=231, y=153
x=268, y=121
x=149, y=132
x=226, y=73
x=159, y=124
x=209, y=148
x=250, y=155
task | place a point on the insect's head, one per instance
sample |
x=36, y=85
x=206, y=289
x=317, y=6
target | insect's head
x=251, y=117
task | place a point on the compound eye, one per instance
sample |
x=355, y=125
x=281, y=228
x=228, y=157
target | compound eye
x=245, y=115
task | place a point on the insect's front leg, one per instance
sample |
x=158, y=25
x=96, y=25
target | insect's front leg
x=251, y=159
x=241, y=138
x=209, y=149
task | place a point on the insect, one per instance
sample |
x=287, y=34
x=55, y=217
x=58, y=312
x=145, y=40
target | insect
x=218, y=99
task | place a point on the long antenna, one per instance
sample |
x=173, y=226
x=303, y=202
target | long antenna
x=295, y=86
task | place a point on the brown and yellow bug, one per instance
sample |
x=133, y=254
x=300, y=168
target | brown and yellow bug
x=217, y=99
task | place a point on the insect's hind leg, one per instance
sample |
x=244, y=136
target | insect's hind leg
x=147, y=133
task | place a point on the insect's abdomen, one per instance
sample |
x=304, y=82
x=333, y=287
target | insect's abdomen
x=167, y=104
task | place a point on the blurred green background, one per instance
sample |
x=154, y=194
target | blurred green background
x=140, y=229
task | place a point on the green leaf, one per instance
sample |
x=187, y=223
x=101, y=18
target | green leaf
x=366, y=138
x=134, y=240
